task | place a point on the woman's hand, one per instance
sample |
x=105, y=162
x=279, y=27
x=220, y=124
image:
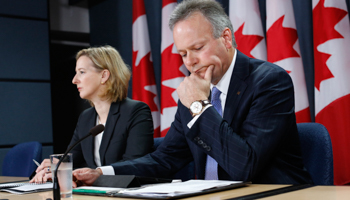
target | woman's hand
x=43, y=172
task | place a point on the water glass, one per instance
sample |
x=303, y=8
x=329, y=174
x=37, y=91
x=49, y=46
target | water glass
x=64, y=173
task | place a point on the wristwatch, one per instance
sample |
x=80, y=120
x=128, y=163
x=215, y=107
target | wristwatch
x=197, y=107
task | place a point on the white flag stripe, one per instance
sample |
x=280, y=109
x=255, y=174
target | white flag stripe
x=167, y=34
x=341, y=4
x=239, y=15
x=140, y=38
x=294, y=65
x=155, y=114
x=168, y=117
x=173, y=72
x=338, y=64
x=248, y=12
x=141, y=45
x=276, y=9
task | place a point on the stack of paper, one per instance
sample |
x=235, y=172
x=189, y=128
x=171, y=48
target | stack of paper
x=172, y=189
x=25, y=188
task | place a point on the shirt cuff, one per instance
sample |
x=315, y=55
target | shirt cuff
x=107, y=170
x=190, y=124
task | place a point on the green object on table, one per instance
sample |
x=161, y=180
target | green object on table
x=89, y=191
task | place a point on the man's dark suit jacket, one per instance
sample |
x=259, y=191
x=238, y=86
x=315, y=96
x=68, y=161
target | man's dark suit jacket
x=256, y=140
x=128, y=134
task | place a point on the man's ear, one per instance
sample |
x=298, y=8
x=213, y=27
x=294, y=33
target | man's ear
x=227, y=36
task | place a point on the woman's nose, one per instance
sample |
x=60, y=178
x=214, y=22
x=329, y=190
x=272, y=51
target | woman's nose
x=74, y=81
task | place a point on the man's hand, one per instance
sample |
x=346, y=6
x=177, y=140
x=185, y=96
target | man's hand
x=85, y=176
x=194, y=87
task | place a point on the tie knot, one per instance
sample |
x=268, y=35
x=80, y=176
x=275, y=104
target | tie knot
x=215, y=94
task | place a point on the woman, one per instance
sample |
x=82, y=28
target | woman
x=102, y=78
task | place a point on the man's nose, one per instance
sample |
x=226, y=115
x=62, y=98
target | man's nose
x=191, y=60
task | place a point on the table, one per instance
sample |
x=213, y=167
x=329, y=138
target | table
x=316, y=192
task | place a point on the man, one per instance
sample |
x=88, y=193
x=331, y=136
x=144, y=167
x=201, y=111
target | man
x=249, y=132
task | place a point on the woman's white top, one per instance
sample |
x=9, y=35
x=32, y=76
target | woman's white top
x=98, y=139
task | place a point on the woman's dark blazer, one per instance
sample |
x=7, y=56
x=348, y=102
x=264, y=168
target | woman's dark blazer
x=128, y=134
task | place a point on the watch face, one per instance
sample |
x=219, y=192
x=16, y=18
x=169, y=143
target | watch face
x=196, y=107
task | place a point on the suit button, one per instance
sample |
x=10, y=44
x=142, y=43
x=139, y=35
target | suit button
x=208, y=148
x=200, y=142
x=196, y=138
x=204, y=145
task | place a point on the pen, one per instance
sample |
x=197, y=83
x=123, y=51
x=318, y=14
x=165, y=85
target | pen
x=36, y=162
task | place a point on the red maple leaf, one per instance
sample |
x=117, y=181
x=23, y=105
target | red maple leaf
x=246, y=43
x=280, y=41
x=171, y=64
x=324, y=21
x=143, y=75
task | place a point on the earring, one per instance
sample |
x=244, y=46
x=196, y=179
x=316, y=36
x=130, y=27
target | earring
x=102, y=83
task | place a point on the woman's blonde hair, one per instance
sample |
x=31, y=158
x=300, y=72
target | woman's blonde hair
x=107, y=57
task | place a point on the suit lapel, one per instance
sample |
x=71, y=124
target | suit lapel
x=87, y=145
x=237, y=86
x=113, y=116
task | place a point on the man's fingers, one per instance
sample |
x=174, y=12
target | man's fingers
x=78, y=175
x=81, y=175
x=85, y=176
x=208, y=73
x=74, y=184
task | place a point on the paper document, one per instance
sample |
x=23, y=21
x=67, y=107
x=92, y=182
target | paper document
x=180, y=187
x=29, y=188
x=12, y=184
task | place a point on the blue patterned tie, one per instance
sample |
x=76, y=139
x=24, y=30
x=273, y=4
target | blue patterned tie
x=211, y=168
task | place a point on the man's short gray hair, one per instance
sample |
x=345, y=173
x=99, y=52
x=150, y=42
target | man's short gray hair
x=210, y=9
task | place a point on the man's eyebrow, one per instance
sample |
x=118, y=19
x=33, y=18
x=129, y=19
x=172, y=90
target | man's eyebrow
x=192, y=45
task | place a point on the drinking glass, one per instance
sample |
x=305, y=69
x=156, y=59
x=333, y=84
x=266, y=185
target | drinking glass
x=64, y=173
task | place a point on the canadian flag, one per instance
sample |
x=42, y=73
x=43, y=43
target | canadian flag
x=143, y=81
x=331, y=29
x=246, y=21
x=283, y=49
x=173, y=70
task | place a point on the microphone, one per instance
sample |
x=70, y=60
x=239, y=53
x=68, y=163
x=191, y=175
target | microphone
x=56, y=187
